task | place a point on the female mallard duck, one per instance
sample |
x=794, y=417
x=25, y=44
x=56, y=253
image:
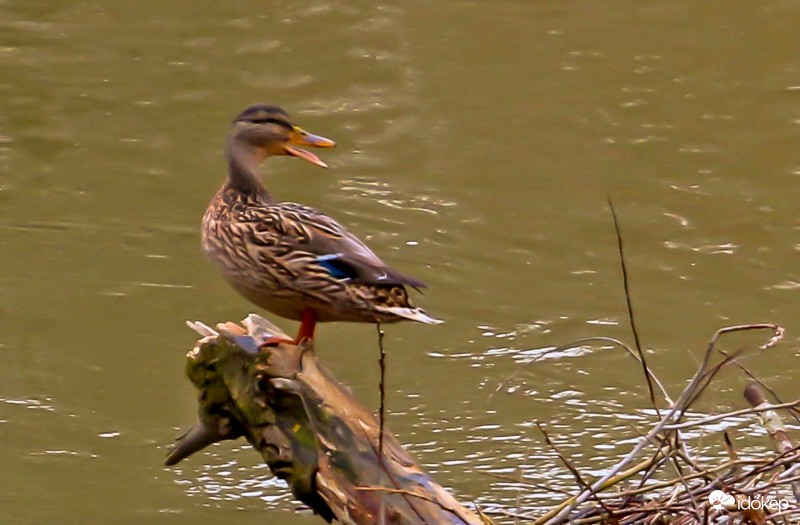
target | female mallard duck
x=288, y=258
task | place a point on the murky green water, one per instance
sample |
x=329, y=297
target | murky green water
x=478, y=142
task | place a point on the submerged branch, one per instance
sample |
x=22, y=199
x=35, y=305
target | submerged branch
x=687, y=495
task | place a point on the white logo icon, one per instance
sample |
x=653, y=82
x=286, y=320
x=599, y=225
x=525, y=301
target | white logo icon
x=719, y=500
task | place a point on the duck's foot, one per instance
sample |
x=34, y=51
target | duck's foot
x=275, y=341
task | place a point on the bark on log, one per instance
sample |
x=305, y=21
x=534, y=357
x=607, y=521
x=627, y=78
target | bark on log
x=309, y=430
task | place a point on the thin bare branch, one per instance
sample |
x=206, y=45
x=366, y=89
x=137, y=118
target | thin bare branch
x=629, y=302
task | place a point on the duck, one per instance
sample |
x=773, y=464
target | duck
x=288, y=258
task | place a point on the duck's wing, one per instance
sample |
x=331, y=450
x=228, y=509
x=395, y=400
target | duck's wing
x=337, y=250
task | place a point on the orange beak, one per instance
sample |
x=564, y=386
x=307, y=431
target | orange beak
x=304, y=138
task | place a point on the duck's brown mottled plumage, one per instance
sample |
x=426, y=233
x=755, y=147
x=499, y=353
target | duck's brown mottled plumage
x=289, y=258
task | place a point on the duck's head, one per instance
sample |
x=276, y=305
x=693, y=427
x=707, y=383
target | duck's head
x=269, y=130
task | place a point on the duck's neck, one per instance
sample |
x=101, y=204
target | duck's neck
x=243, y=175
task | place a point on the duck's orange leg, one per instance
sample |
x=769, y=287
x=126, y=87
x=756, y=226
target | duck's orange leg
x=307, y=325
x=308, y=322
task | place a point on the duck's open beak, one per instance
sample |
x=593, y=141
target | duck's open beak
x=304, y=138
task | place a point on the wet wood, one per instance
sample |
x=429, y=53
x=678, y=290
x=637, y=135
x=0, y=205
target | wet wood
x=308, y=428
x=773, y=424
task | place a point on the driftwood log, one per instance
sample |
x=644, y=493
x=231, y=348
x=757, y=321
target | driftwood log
x=309, y=429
